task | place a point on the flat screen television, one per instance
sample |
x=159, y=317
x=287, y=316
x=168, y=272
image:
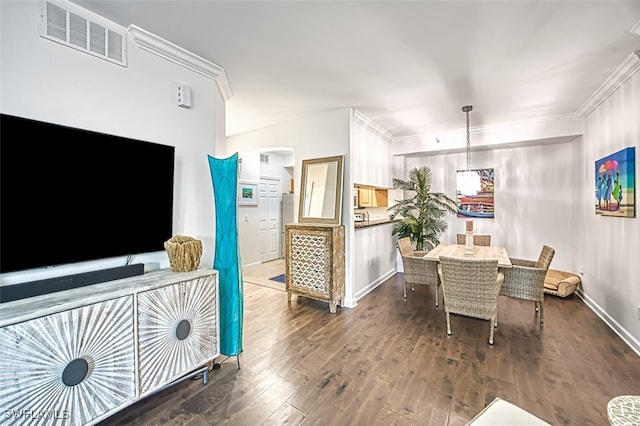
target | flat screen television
x=69, y=195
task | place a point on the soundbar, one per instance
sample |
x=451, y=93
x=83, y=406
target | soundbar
x=19, y=291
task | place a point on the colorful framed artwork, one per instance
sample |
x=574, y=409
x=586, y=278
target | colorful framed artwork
x=247, y=193
x=615, y=181
x=474, y=189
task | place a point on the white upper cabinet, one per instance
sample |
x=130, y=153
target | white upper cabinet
x=371, y=160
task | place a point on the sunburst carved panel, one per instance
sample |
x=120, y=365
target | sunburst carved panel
x=176, y=330
x=68, y=368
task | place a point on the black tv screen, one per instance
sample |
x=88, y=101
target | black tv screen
x=69, y=195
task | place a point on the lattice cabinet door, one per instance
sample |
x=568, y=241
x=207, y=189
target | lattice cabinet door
x=315, y=262
x=177, y=330
x=68, y=368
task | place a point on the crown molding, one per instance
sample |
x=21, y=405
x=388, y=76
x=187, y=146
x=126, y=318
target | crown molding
x=445, y=137
x=615, y=80
x=176, y=54
x=373, y=127
x=541, y=130
x=636, y=28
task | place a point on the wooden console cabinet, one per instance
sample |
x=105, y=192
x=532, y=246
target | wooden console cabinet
x=76, y=357
x=314, y=262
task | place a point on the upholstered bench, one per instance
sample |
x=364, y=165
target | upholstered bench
x=560, y=283
x=503, y=413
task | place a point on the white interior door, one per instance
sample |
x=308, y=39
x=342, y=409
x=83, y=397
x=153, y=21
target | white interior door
x=269, y=191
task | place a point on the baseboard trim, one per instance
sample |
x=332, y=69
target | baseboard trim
x=622, y=332
x=252, y=265
x=368, y=289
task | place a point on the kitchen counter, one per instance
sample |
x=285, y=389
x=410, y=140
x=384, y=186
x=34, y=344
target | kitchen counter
x=374, y=222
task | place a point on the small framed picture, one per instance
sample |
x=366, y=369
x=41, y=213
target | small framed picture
x=247, y=193
x=615, y=179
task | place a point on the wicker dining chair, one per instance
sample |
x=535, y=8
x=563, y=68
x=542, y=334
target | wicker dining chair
x=417, y=270
x=478, y=240
x=471, y=288
x=525, y=279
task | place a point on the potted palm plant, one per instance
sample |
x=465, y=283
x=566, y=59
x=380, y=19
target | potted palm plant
x=422, y=214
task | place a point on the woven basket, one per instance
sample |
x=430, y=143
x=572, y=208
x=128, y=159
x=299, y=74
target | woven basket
x=184, y=253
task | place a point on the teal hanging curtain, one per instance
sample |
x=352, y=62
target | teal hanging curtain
x=226, y=259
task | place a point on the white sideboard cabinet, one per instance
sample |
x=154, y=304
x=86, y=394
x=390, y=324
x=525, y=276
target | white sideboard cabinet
x=76, y=357
x=314, y=262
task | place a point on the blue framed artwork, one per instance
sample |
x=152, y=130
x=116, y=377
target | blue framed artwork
x=248, y=193
x=615, y=182
x=478, y=202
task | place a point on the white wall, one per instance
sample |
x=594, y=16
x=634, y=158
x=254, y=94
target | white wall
x=249, y=216
x=47, y=81
x=371, y=250
x=277, y=169
x=323, y=134
x=608, y=248
x=533, y=198
x=374, y=258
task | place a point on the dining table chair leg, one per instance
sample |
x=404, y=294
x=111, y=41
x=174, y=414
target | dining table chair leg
x=448, y=324
x=541, y=312
x=491, y=331
x=413, y=290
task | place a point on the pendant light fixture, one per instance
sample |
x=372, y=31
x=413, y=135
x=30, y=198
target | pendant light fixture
x=468, y=180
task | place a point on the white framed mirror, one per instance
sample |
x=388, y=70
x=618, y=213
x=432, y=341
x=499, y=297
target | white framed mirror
x=321, y=191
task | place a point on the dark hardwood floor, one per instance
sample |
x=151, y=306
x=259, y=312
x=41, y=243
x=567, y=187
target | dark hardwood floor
x=390, y=362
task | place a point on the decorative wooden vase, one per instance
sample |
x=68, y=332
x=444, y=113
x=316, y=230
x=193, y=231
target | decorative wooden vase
x=468, y=247
x=184, y=253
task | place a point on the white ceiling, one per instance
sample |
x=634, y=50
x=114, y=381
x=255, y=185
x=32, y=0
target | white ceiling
x=409, y=66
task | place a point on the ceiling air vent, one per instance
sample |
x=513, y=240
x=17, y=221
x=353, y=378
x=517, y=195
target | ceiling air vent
x=73, y=26
x=264, y=158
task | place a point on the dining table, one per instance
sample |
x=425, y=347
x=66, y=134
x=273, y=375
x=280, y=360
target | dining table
x=479, y=253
